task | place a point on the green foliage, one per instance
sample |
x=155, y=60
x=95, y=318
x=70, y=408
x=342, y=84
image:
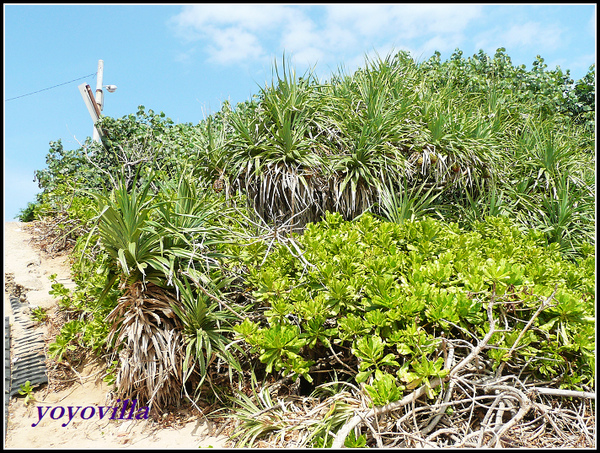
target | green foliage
x=352, y=442
x=132, y=145
x=142, y=124
x=250, y=413
x=205, y=329
x=64, y=165
x=110, y=377
x=384, y=389
x=60, y=291
x=38, y=314
x=278, y=347
x=384, y=292
x=65, y=341
x=148, y=235
x=27, y=214
x=397, y=137
x=27, y=391
x=370, y=352
x=502, y=156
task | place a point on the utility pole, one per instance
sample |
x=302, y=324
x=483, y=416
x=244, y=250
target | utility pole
x=99, y=94
x=95, y=104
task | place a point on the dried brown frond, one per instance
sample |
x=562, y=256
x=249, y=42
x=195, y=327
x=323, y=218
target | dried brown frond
x=151, y=345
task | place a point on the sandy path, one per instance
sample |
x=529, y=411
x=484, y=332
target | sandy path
x=31, y=270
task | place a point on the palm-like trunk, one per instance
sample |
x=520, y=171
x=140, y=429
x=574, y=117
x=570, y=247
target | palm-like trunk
x=151, y=356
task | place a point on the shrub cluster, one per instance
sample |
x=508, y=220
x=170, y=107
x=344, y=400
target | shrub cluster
x=382, y=296
x=350, y=227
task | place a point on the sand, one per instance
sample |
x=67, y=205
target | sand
x=31, y=269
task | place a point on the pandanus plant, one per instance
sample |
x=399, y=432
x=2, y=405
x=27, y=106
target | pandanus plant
x=273, y=160
x=152, y=239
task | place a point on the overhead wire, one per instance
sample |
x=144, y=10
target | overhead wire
x=49, y=88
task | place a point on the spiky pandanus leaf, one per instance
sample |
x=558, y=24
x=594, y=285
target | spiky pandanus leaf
x=205, y=328
x=285, y=193
x=144, y=328
x=151, y=239
x=273, y=159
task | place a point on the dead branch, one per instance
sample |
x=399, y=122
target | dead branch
x=565, y=393
x=541, y=308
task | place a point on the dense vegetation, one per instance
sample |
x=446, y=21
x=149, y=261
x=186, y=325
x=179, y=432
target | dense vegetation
x=351, y=234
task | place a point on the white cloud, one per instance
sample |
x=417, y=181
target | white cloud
x=533, y=34
x=329, y=34
x=406, y=21
x=363, y=20
x=447, y=19
x=231, y=33
x=184, y=56
x=579, y=66
x=534, y=38
x=232, y=45
x=439, y=43
x=420, y=29
x=337, y=36
x=340, y=36
x=250, y=17
x=298, y=35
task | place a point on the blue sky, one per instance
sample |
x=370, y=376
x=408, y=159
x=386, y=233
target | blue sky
x=185, y=60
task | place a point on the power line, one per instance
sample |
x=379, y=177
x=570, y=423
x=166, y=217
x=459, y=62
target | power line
x=49, y=88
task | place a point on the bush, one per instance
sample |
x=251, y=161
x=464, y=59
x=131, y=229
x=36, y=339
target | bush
x=28, y=213
x=382, y=296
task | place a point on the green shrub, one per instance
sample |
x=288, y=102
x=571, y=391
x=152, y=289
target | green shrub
x=27, y=214
x=382, y=295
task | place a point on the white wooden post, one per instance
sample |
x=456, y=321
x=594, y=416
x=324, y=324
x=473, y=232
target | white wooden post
x=95, y=103
x=99, y=94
